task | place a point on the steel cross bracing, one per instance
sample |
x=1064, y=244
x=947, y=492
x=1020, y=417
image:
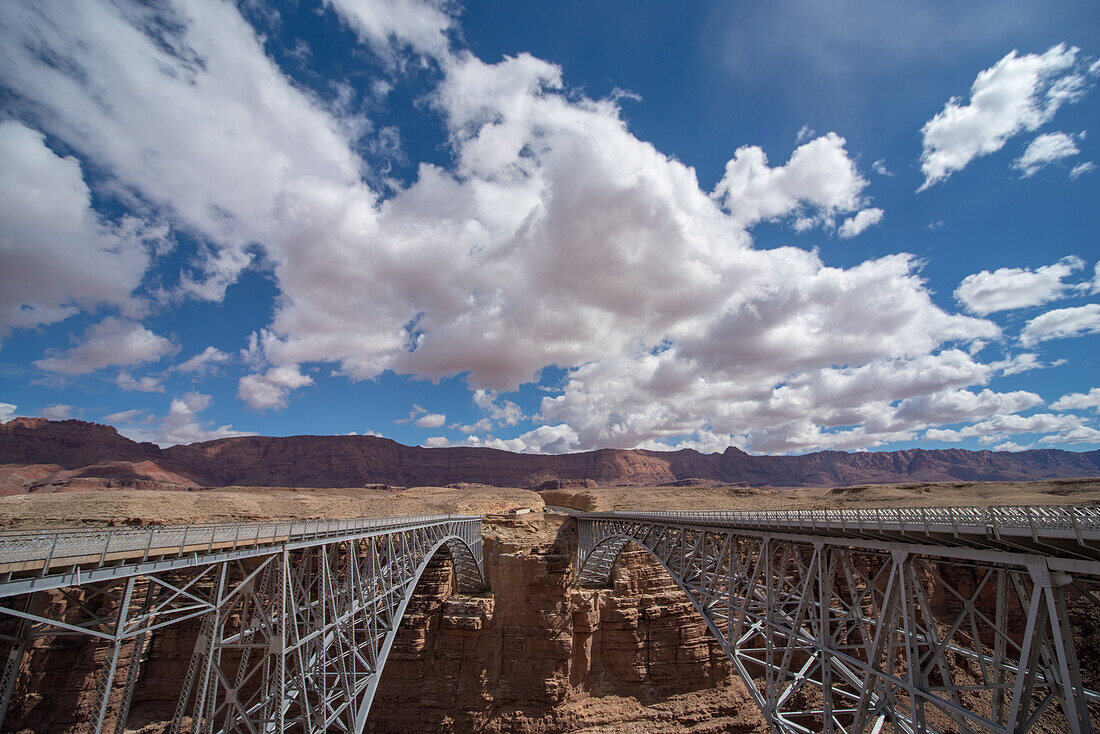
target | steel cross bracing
x=292, y=622
x=961, y=620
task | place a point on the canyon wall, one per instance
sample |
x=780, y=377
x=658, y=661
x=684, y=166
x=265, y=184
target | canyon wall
x=41, y=455
x=540, y=656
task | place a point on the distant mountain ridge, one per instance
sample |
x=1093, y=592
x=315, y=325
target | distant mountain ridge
x=73, y=448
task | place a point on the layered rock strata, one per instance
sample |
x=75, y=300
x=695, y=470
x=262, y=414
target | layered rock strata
x=539, y=656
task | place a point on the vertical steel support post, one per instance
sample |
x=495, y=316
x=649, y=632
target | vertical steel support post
x=284, y=614
x=1073, y=694
x=134, y=669
x=916, y=678
x=1000, y=647
x=1029, y=660
x=770, y=694
x=103, y=691
x=14, y=660
x=825, y=572
x=206, y=702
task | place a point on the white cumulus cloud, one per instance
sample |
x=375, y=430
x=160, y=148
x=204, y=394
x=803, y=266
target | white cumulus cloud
x=148, y=383
x=56, y=256
x=181, y=425
x=58, y=412
x=203, y=361
x=431, y=420
x=419, y=24
x=1086, y=435
x=999, y=426
x=819, y=182
x=1018, y=93
x=1061, y=323
x=436, y=442
x=133, y=415
x=482, y=426
x=862, y=220
x=1023, y=362
x=263, y=391
x=1010, y=288
x=1081, y=169
x=957, y=406
x=1011, y=446
x=557, y=439
x=1044, y=150
x=504, y=412
x=1078, y=401
x=111, y=342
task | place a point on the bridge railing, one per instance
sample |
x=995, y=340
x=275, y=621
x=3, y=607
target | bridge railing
x=1067, y=521
x=107, y=543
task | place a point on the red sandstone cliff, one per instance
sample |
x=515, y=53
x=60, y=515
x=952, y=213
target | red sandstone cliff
x=540, y=656
x=35, y=452
x=70, y=444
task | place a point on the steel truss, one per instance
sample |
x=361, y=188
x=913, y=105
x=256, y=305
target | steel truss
x=295, y=623
x=882, y=625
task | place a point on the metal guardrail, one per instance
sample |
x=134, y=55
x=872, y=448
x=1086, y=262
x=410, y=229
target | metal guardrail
x=1038, y=521
x=160, y=540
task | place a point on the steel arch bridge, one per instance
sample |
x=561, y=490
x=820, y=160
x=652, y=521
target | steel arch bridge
x=937, y=620
x=295, y=620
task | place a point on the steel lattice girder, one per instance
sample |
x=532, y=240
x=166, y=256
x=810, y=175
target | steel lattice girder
x=836, y=634
x=293, y=636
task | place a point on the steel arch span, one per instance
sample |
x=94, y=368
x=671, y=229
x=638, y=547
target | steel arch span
x=295, y=620
x=962, y=620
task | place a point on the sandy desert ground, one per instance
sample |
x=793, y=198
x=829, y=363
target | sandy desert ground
x=228, y=504
x=242, y=504
x=918, y=494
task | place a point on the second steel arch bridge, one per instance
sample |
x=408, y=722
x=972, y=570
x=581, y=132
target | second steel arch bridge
x=910, y=620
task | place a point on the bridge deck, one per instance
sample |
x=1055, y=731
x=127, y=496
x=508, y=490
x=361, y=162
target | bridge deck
x=1072, y=531
x=40, y=553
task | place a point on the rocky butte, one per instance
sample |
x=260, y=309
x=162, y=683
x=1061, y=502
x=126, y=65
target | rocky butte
x=38, y=454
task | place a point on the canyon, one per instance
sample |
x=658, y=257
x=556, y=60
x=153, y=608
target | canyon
x=540, y=656
x=41, y=455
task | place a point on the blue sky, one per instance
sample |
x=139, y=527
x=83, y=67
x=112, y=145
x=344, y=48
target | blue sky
x=554, y=227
